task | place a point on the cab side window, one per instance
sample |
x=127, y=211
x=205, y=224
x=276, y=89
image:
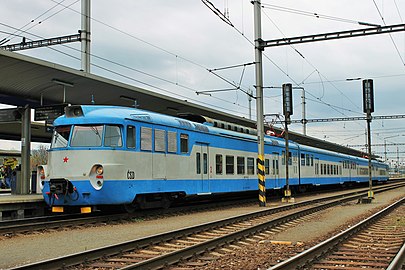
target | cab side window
x=112, y=136
x=183, y=143
x=131, y=137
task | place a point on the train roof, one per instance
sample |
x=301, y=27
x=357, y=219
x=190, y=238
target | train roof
x=117, y=114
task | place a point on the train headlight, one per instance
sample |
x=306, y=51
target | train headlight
x=41, y=172
x=96, y=176
x=99, y=170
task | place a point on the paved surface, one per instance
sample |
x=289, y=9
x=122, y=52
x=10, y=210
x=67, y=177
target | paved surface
x=8, y=198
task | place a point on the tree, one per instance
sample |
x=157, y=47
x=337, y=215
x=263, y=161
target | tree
x=39, y=157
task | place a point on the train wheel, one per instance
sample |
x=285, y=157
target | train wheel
x=166, y=201
x=131, y=208
x=302, y=188
x=149, y=201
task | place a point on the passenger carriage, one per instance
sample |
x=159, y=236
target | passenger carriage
x=107, y=155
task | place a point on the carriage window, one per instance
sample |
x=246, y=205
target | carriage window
x=205, y=163
x=61, y=136
x=183, y=143
x=131, y=137
x=307, y=160
x=146, y=139
x=312, y=160
x=172, y=141
x=302, y=159
x=277, y=171
x=160, y=140
x=218, y=164
x=240, y=165
x=112, y=136
x=87, y=136
x=267, y=166
x=282, y=157
x=250, y=165
x=230, y=164
x=198, y=163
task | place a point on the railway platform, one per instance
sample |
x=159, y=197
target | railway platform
x=21, y=206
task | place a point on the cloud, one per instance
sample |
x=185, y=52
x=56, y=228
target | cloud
x=178, y=40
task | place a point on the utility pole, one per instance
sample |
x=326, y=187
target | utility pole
x=85, y=36
x=259, y=102
x=397, y=159
x=25, y=150
x=250, y=103
x=304, y=116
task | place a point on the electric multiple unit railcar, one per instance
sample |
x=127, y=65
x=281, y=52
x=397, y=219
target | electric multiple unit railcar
x=108, y=155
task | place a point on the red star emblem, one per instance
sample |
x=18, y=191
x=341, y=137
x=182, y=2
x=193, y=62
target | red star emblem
x=65, y=159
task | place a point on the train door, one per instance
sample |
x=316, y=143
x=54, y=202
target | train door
x=294, y=170
x=202, y=166
x=316, y=170
x=159, y=155
x=275, y=169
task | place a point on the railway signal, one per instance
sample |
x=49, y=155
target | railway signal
x=368, y=108
x=287, y=111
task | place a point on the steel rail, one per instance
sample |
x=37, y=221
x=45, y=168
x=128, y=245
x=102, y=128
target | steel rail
x=174, y=257
x=399, y=260
x=50, y=222
x=305, y=258
x=42, y=223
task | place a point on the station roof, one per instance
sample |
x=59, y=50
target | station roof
x=27, y=80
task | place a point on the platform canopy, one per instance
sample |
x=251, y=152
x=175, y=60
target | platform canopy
x=27, y=80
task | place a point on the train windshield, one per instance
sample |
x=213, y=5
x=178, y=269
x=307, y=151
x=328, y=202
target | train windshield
x=87, y=136
x=60, y=136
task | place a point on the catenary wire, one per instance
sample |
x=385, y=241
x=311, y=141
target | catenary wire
x=127, y=77
x=22, y=30
x=144, y=73
x=392, y=39
x=308, y=62
x=156, y=47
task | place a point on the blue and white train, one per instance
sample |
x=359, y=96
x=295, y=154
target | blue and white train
x=108, y=155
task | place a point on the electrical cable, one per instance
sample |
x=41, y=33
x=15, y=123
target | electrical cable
x=314, y=14
x=308, y=62
x=392, y=39
x=22, y=30
x=156, y=47
x=147, y=84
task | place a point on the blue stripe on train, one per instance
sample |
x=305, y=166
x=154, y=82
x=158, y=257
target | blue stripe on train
x=124, y=191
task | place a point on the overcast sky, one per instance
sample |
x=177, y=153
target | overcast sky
x=169, y=46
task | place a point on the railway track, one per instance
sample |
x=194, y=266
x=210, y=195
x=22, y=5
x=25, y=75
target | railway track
x=13, y=227
x=167, y=249
x=10, y=228
x=375, y=243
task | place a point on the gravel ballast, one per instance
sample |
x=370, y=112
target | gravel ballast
x=24, y=249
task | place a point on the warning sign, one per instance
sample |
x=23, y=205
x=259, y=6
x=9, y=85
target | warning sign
x=12, y=162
